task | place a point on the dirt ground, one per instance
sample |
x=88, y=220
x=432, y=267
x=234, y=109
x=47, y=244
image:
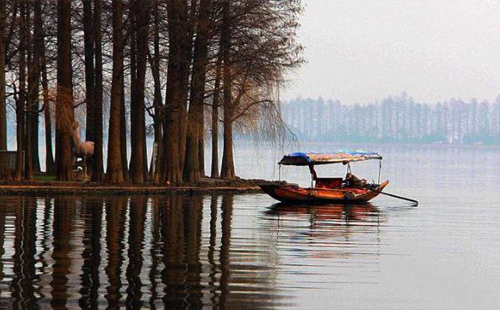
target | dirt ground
x=206, y=186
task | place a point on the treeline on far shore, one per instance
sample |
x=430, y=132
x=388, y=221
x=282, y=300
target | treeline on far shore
x=123, y=69
x=396, y=119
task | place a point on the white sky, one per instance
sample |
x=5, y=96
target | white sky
x=360, y=51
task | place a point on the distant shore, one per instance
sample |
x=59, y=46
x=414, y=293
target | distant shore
x=54, y=188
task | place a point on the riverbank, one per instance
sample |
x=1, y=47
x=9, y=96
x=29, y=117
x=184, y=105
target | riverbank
x=206, y=186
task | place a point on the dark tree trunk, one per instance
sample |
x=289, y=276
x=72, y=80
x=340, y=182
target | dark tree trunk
x=123, y=129
x=192, y=164
x=175, y=100
x=185, y=64
x=227, y=169
x=201, y=144
x=3, y=110
x=35, y=91
x=215, y=120
x=115, y=169
x=20, y=105
x=21, y=99
x=98, y=171
x=133, y=79
x=64, y=107
x=138, y=160
x=158, y=101
x=31, y=96
x=142, y=59
x=50, y=166
x=88, y=42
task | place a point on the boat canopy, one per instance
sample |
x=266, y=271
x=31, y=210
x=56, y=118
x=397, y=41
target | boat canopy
x=307, y=159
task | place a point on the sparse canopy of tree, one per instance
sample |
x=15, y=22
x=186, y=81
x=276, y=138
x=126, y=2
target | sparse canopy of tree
x=126, y=69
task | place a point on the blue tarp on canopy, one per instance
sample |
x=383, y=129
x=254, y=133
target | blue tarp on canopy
x=306, y=159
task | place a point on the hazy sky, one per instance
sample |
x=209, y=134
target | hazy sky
x=364, y=50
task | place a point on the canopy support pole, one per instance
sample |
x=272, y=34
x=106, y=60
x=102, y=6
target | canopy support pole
x=279, y=172
x=314, y=175
x=379, y=169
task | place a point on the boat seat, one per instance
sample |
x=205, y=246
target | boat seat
x=328, y=182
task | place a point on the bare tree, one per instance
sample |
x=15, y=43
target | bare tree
x=88, y=42
x=140, y=23
x=98, y=170
x=258, y=47
x=115, y=169
x=215, y=119
x=227, y=171
x=50, y=165
x=64, y=101
x=193, y=162
x=175, y=97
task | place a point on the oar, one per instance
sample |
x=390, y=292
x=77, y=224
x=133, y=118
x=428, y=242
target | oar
x=395, y=196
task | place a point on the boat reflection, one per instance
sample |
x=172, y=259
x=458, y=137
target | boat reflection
x=347, y=213
x=329, y=231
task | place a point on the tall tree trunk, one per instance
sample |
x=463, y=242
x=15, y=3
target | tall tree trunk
x=123, y=129
x=138, y=159
x=35, y=124
x=115, y=169
x=192, y=162
x=133, y=79
x=88, y=42
x=31, y=96
x=201, y=144
x=21, y=99
x=158, y=101
x=50, y=166
x=34, y=88
x=227, y=169
x=98, y=171
x=20, y=105
x=64, y=107
x=215, y=119
x=36, y=62
x=187, y=49
x=3, y=107
x=175, y=99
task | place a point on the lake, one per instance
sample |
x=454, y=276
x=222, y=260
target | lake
x=248, y=252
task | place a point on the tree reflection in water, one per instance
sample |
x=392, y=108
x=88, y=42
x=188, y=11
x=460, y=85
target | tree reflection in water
x=138, y=252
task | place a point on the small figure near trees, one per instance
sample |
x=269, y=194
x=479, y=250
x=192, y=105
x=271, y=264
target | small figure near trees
x=81, y=149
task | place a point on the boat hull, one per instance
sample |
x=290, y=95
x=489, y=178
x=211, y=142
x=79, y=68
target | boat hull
x=291, y=193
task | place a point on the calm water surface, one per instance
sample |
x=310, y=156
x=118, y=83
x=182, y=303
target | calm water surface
x=247, y=252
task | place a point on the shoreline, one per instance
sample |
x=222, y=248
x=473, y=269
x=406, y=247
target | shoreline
x=54, y=188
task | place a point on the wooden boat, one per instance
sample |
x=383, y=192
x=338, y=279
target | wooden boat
x=326, y=190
